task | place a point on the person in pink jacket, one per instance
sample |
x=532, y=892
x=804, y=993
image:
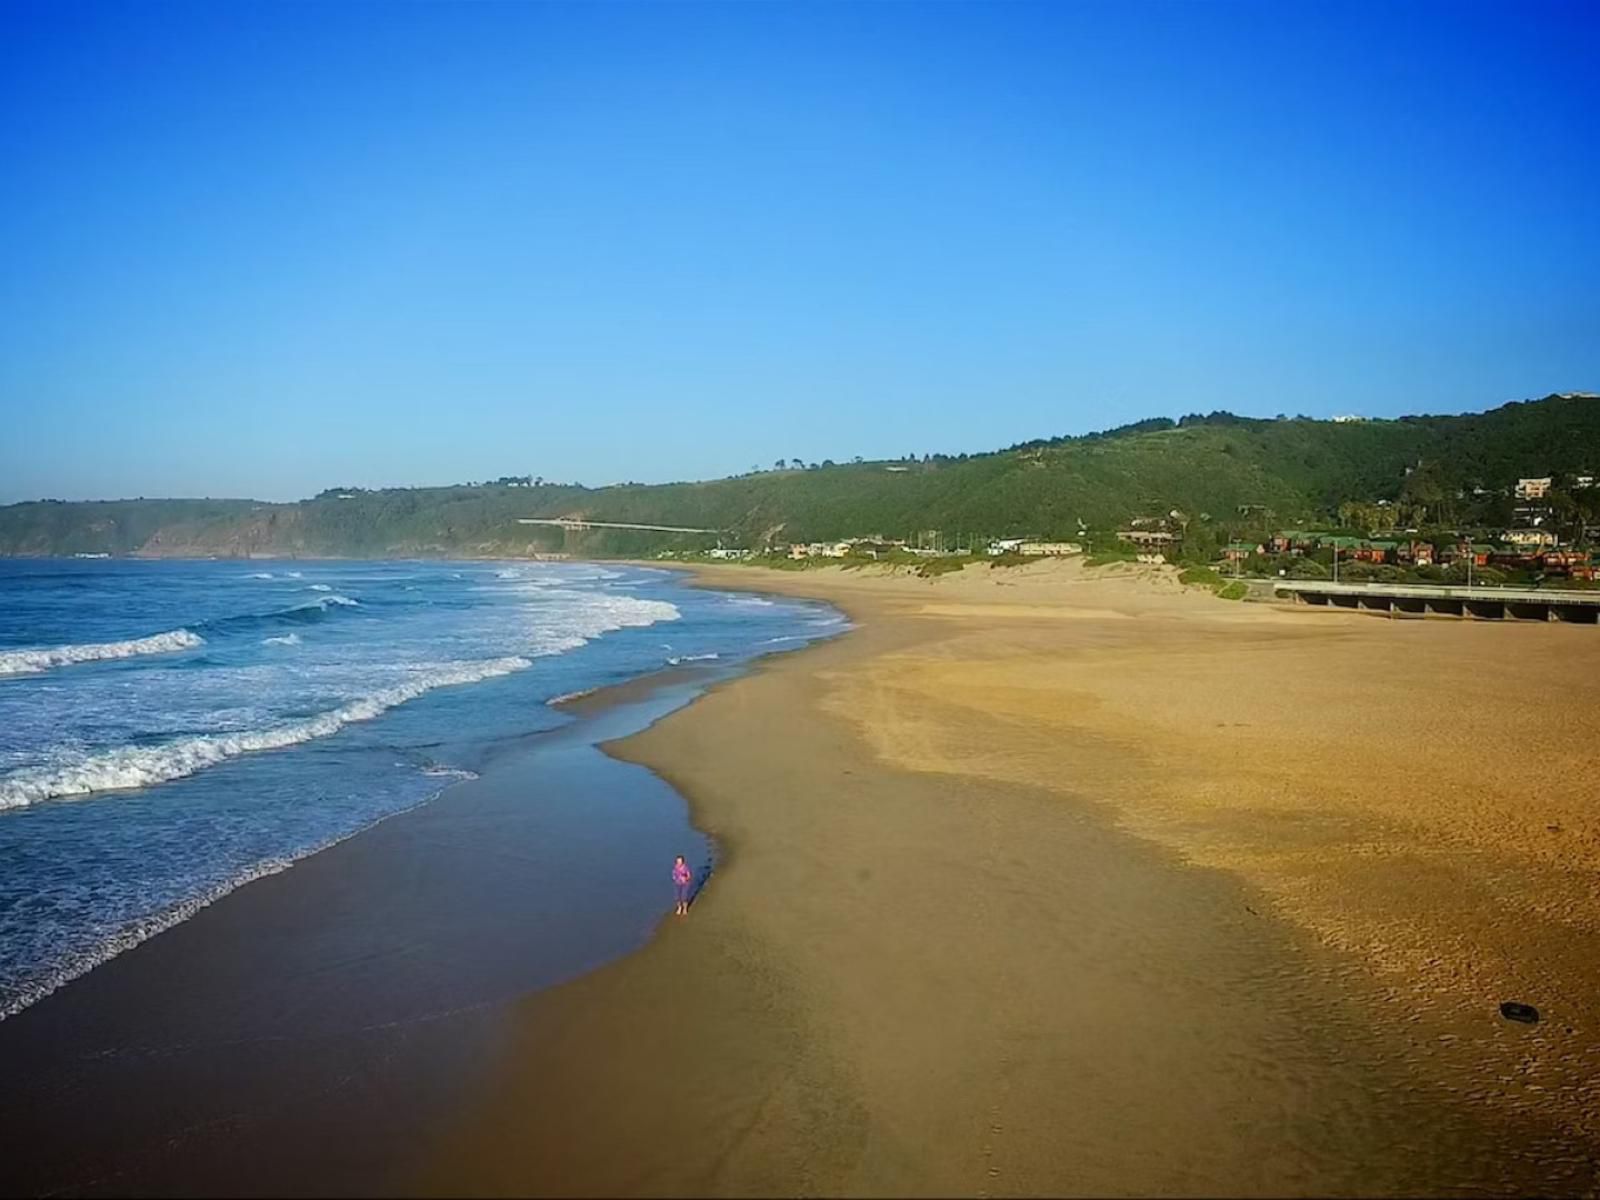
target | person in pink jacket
x=682, y=877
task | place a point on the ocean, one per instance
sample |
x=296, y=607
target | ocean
x=170, y=730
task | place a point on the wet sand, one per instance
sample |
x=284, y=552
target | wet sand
x=1045, y=882
x=307, y=1034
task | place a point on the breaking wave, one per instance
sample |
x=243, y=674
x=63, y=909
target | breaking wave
x=296, y=614
x=31, y=662
x=288, y=639
x=141, y=766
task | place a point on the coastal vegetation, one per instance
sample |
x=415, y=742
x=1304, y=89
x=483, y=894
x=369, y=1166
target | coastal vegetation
x=1223, y=476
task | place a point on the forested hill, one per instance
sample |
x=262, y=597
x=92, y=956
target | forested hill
x=1296, y=470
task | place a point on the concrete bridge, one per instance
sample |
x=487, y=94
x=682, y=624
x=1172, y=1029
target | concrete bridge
x=1422, y=600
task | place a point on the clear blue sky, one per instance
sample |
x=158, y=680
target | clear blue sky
x=264, y=250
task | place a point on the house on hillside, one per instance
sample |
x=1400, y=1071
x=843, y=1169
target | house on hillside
x=1414, y=553
x=1050, y=549
x=1463, y=550
x=1005, y=546
x=1236, y=552
x=1574, y=563
x=1351, y=549
x=1532, y=489
x=1293, y=541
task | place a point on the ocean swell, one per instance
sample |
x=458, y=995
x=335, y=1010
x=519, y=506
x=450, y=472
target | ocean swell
x=31, y=662
x=141, y=766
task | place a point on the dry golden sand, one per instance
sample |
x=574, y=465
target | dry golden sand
x=1046, y=880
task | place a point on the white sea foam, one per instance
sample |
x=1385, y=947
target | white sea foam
x=319, y=587
x=592, y=614
x=292, y=574
x=141, y=766
x=675, y=659
x=288, y=639
x=259, y=575
x=449, y=773
x=749, y=602
x=332, y=598
x=564, y=697
x=31, y=662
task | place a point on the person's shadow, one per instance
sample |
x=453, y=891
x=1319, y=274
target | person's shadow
x=700, y=878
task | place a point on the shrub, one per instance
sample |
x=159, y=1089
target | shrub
x=1200, y=577
x=932, y=567
x=1106, y=555
x=1236, y=590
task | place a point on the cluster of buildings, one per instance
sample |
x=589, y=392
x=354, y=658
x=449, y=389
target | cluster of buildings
x=1540, y=554
x=1530, y=544
x=929, y=547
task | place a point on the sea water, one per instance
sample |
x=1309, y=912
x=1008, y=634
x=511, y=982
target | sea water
x=170, y=730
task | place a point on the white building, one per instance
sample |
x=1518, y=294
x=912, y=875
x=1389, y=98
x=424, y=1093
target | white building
x=1530, y=537
x=1532, y=489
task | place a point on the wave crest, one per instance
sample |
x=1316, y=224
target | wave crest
x=141, y=766
x=31, y=662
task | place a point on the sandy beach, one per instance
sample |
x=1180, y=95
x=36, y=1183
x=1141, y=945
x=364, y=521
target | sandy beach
x=1053, y=881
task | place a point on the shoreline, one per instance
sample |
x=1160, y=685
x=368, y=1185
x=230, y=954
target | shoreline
x=368, y=992
x=821, y=1023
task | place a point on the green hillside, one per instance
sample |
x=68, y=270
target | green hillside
x=1232, y=473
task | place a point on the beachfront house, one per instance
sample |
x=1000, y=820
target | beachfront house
x=1414, y=553
x=1532, y=489
x=1147, y=539
x=1006, y=546
x=1050, y=549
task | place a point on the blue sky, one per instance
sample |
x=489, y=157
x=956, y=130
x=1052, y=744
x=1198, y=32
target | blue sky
x=261, y=250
